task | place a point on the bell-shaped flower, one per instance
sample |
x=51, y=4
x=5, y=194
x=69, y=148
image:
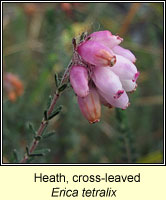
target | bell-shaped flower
x=121, y=102
x=129, y=85
x=107, y=81
x=125, y=69
x=124, y=52
x=79, y=80
x=96, y=53
x=90, y=106
x=106, y=38
x=111, y=72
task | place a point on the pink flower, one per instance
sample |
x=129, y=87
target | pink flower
x=121, y=102
x=110, y=70
x=107, y=82
x=96, y=53
x=106, y=38
x=125, y=69
x=129, y=85
x=90, y=106
x=124, y=52
x=79, y=80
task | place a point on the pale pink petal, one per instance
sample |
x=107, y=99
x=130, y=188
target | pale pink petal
x=106, y=38
x=125, y=69
x=129, y=85
x=124, y=52
x=96, y=53
x=107, y=81
x=79, y=80
x=90, y=106
x=122, y=102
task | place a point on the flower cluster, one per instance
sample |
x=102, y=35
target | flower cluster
x=102, y=73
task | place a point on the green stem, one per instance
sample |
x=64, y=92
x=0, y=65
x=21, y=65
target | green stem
x=44, y=123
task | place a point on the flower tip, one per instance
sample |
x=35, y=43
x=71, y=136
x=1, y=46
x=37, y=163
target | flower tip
x=119, y=38
x=134, y=61
x=128, y=104
x=134, y=89
x=136, y=76
x=94, y=121
x=118, y=94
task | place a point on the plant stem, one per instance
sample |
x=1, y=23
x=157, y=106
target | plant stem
x=44, y=123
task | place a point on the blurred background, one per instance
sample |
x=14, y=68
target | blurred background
x=37, y=43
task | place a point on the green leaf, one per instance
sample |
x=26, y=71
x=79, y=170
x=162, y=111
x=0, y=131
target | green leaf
x=62, y=88
x=27, y=150
x=57, y=80
x=42, y=152
x=31, y=127
x=83, y=36
x=38, y=137
x=49, y=101
x=49, y=134
x=45, y=115
x=36, y=154
x=56, y=112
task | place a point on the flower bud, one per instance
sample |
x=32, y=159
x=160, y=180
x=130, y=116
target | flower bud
x=96, y=54
x=106, y=38
x=129, y=85
x=125, y=69
x=124, y=52
x=90, y=106
x=79, y=80
x=107, y=82
x=121, y=102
